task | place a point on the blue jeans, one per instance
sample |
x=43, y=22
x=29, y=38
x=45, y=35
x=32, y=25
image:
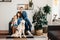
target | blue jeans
x=27, y=25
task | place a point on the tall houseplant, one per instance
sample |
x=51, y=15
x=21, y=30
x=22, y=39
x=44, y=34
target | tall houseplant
x=46, y=10
x=39, y=17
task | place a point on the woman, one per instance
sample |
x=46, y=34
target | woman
x=19, y=16
x=21, y=26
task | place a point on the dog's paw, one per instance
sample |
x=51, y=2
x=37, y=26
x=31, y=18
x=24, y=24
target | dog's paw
x=24, y=36
x=20, y=37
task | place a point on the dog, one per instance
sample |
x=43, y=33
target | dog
x=20, y=30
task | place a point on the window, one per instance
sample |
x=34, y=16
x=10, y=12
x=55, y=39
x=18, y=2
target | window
x=55, y=9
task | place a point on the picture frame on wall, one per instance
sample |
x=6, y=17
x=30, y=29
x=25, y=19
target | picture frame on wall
x=5, y=0
x=1, y=0
x=25, y=6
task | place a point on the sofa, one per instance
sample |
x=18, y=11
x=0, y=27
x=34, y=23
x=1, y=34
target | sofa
x=54, y=32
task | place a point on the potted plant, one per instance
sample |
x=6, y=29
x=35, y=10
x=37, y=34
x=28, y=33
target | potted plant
x=46, y=10
x=39, y=18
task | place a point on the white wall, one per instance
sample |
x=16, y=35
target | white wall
x=54, y=10
x=59, y=8
x=49, y=16
x=9, y=9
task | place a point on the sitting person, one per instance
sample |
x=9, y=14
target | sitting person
x=14, y=24
x=27, y=22
x=21, y=26
x=16, y=21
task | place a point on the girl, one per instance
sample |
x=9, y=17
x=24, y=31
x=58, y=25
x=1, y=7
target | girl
x=14, y=24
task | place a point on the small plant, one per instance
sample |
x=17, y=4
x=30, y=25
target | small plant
x=30, y=3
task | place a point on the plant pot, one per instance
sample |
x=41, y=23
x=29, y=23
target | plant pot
x=45, y=29
x=39, y=32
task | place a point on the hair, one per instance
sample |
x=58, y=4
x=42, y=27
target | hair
x=19, y=13
x=15, y=15
x=13, y=18
x=21, y=7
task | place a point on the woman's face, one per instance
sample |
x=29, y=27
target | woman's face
x=19, y=15
x=15, y=17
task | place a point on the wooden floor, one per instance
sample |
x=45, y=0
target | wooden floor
x=25, y=39
x=42, y=37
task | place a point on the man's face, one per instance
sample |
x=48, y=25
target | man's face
x=21, y=9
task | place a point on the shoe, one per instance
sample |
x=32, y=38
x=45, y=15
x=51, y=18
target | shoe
x=30, y=33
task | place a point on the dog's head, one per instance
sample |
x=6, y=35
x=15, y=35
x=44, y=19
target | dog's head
x=23, y=21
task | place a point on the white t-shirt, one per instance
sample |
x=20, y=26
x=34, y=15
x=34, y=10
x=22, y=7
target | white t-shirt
x=15, y=23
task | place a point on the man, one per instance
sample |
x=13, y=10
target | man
x=27, y=22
